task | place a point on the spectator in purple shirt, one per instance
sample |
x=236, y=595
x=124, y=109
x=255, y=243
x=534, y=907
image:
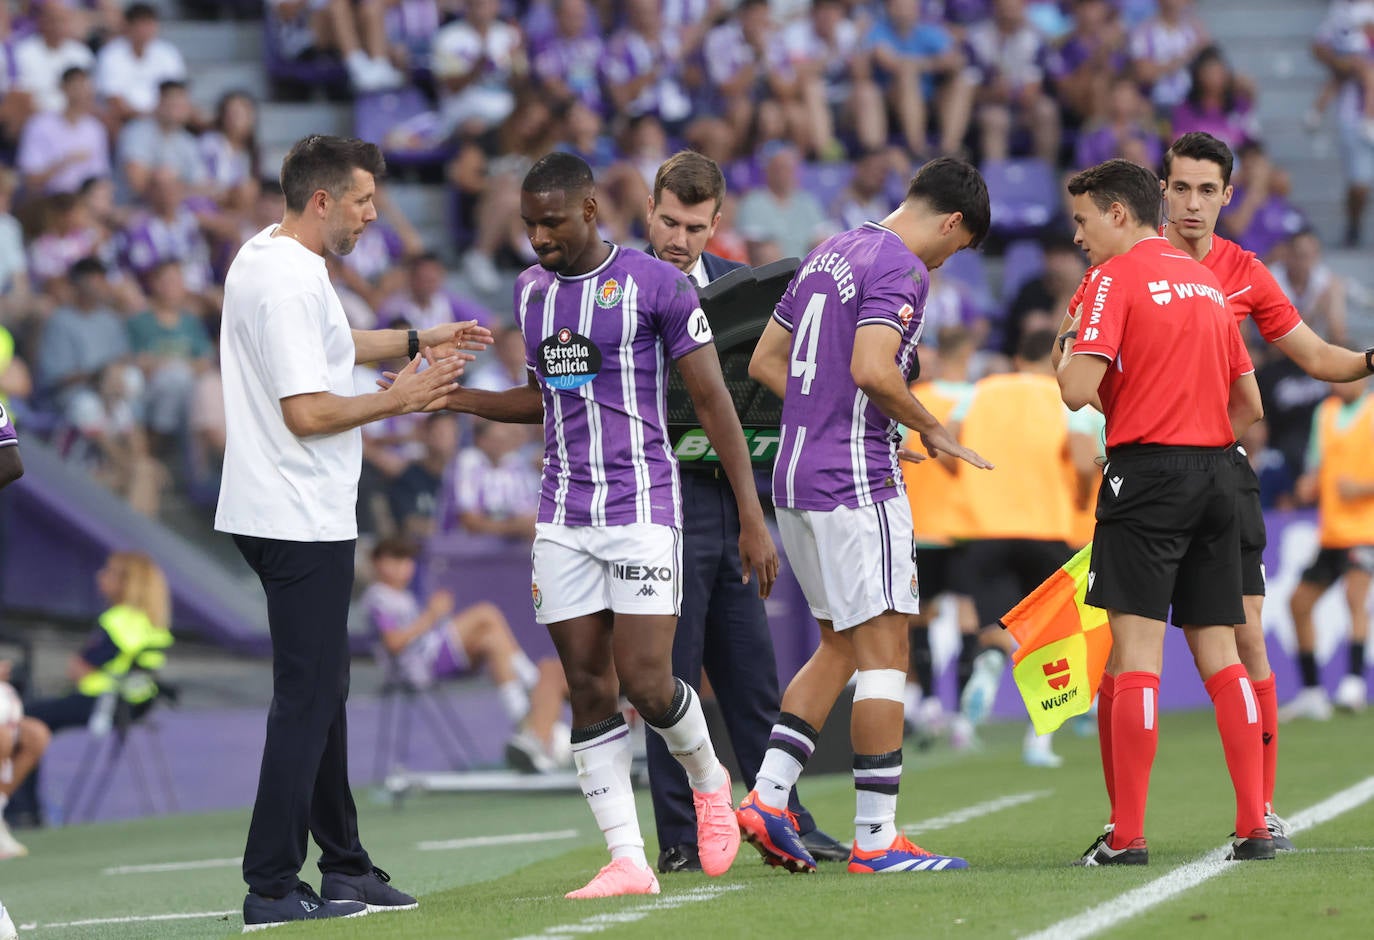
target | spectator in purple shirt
x=1084, y=60
x=170, y=231
x=748, y=79
x=1219, y=102
x=496, y=482
x=1009, y=57
x=569, y=65
x=425, y=302
x=59, y=150
x=1261, y=216
x=1126, y=130
x=1162, y=47
x=644, y=65
x=230, y=151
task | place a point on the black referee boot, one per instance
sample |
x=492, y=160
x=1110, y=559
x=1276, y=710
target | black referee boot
x=1102, y=853
x=1258, y=847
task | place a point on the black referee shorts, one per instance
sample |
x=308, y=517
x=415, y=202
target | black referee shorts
x=1168, y=534
x=937, y=567
x=1252, y=536
x=1000, y=572
x=1331, y=564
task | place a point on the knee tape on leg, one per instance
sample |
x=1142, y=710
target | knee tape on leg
x=889, y=684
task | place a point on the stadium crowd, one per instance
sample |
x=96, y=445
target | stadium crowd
x=121, y=203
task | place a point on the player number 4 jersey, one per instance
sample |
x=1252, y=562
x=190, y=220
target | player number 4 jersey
x=839, y=449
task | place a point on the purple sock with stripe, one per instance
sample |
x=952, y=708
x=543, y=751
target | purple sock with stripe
x=876, y=779
x=790, y=746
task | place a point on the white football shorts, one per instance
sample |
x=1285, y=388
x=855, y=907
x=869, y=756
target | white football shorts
x=628, y=569
x=853, y=564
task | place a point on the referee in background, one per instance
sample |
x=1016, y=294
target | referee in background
x=289, y=498
x=723, y=627
x=1158, y=348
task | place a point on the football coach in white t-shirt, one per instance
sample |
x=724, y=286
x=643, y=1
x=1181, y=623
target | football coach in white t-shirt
x=289, y=495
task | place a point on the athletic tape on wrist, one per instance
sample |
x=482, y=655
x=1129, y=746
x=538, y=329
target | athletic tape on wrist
x=886, y=684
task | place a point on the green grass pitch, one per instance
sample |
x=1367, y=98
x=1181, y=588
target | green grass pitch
x=1019, y=881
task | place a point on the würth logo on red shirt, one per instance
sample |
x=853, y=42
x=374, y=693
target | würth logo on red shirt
x=1160, y=291
x=905, y=315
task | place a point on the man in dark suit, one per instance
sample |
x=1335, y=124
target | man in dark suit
x=723, y=627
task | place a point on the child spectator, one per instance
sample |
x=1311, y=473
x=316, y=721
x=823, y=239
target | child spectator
x=423, y=645
x=496, y=482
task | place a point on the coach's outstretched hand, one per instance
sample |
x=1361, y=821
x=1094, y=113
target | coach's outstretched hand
x=427, y=390
x=941, y=441
x=758, y=556
x=446, y=339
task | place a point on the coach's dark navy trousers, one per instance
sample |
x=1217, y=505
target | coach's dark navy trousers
x=303, y=783
x=724, y=629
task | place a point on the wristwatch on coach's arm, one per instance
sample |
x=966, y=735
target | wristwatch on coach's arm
x=1369, y=358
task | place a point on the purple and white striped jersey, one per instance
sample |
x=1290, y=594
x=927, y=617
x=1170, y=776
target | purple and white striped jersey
x=8, y=436
x=837, y=448
x=599, y=346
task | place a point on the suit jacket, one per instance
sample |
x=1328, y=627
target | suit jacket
x=714, y=265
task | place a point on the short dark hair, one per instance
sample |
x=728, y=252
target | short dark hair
x=423, y=257
x=1036, y=346
x=952, y=338
x=1130, y=184
x=322, y=161
x=140, y=11
x=559, y=172
x=71, y=72
x=692, y=177
x=1197, y=145
x=85, y=267
x=170, y=84
x=394, y=547
x=949, y=185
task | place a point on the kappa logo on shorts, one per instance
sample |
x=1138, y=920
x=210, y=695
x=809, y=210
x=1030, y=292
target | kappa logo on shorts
x=646, y=591
x=1116, y=485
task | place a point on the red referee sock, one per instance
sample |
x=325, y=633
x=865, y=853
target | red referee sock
x=1106, y=692
x=1238, y=720
x=1135, y=736
x=1268, y=697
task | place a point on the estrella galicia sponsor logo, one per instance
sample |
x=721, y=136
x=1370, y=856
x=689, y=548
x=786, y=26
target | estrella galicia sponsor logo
x=641, y=572
x=568, y=360
x=609, y=293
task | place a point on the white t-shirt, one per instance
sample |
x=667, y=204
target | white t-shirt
x=40, y=69
x=284, y=333
x=121, y=74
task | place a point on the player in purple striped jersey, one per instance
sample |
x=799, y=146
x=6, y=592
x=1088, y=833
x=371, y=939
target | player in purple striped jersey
x=11, y=467
x=601, y=324
x=838, y=349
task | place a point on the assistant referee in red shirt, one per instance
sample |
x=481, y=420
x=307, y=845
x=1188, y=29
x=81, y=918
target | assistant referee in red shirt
x=1158, y=349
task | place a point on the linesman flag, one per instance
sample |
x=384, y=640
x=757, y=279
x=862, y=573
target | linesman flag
x=1063, y=645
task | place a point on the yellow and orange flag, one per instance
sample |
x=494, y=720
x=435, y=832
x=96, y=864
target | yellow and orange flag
x=1063, y=645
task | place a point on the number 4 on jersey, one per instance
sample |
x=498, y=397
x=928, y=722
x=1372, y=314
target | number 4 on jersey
x=808, y=333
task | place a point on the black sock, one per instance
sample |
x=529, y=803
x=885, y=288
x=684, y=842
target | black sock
x=920, y=659
x=1356, y=659
x=1307, y=665
x=968, y=652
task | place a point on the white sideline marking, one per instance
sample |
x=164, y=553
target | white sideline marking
x=1110, y=913
x=141, y=919
x=174, y=866
x=599, y=922
x=972, y=812
x=479, y=841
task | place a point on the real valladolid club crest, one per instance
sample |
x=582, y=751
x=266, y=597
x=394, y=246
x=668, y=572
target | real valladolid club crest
x=536, y=595
x=609, y=293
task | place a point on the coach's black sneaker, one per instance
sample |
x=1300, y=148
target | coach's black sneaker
x=1257, y=848
x=302, y=903
x=372, y=889
x=679, y=858
x=1278, y=831
x=1102, y=853
x=824, y=847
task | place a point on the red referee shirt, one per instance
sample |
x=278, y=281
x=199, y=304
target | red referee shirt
x=1162, y=321
x=1249, y=287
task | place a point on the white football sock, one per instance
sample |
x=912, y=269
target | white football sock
x=603, y=772
x=689, y=741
